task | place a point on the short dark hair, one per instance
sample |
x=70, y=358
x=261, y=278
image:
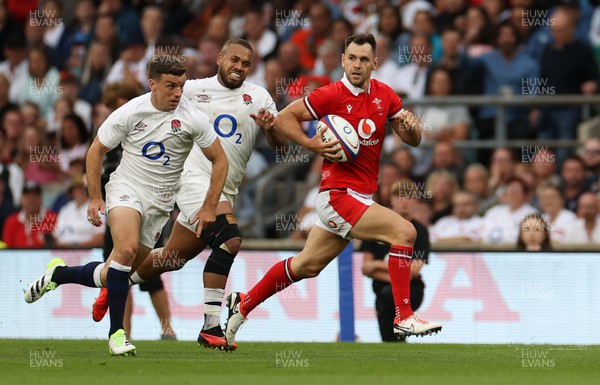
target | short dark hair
x=167, y=65
x=512, y=27
x=360, y=39
x=236, y=40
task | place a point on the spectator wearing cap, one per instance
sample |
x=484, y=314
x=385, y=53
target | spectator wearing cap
x=16, y=65
x=33, y=225
x=464, y=225
x=73, y=230
x=586, y=229
x=132, y=65
x=502, y=222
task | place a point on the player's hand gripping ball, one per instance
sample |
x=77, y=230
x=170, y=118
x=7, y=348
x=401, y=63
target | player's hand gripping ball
x=334, y=127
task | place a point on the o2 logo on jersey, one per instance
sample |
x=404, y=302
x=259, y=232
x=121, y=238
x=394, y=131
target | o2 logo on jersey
x=150, y=151
x=366, y=128
x=224, y=122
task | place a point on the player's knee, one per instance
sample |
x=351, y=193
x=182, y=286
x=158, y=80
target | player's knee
x=308, y=269
x=225, y=240
x=406, y=234
x=233, y=245
x=125, y=254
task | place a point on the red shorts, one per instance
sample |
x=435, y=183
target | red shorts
x=340, y=209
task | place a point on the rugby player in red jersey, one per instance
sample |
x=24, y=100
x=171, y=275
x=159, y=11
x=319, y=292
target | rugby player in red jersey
x=344, y=204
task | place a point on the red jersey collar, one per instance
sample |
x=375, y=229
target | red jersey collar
x=352, y=88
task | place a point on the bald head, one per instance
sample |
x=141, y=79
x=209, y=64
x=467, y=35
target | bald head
x=587, y=206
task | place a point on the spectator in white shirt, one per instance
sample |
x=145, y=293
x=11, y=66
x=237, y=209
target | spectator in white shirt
x=72, y=228
x=16, y=65
x=502, y=222
x=586, y=229
x=552, y=204
x=463, y=226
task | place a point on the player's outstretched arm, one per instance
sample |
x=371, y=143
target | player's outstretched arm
x=288, y=121
x=264, y=119
x=93, y=166
x=408, y=127
x=207, y=214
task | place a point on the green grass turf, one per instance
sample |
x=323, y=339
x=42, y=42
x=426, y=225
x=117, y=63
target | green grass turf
x=86, y=362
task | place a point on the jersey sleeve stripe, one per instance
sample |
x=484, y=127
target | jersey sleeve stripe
x=309, y=108
x=392, y=116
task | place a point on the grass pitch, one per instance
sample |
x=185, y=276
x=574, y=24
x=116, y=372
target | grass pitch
x=85, y=362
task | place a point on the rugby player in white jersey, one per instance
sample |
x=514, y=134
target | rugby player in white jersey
x=157, y=132
x=239, y=112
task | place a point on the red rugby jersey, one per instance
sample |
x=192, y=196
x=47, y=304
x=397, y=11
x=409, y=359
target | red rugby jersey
x=367, y=112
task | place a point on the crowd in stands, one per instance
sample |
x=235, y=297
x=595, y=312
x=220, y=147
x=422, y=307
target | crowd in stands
x=59, y=56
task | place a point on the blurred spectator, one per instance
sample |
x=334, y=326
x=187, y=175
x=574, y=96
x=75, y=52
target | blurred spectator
x=567, y=68
x=502, y=169
x=464, y=225
x=32, y=227
x=126, y=19
x=390, y=26
x=477, y=37
x=387, y=67
x=264, y=40
x=446, y=157
x=176, y=16
x=42, y=84
x=56, y=38
x=496, y=10
x=4, y=89
x=62, y=107
x=362, y=14
x=218, y=29
x=12, y=175
x=289, y=58
x=328, y=62
x=16, y=65
x=544, y=167
x=423, y=24
x=151, y=24
x=404, y=161
x=11, y=127
x=440, y=188
x=475, y=181
x=409, y=9
x=388, y=175
x=237, y=19
x=534, y=234
x=96, y=67
x=572, y=174
x=555, y=215
x=413, y=75
x=443, y=123
x=590, y=154
x=501, y=223
x=340, y=31
x=7, y=208
x=503, y=71
x=448, y=13
x=586, y=229
x=375, y=264
x=70, y=91
x=7, y=26
x=131, y=67
x=73, y=230
x=38, y=161
x=105, y=32
x=80, y=35
x=274, y=83
x=31, y=116
x=308, y=40
x=74, y=138
x=307, y=215
x=456, y=62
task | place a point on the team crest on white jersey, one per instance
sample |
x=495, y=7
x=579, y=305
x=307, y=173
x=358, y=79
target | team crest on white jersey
x=349, y=107
x=175, y=126
x=247, y=99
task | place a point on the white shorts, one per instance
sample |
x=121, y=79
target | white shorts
x=340, y=209
x=191, y=196
x=153, y=217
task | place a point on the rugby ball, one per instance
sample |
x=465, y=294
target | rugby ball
x=335, y=127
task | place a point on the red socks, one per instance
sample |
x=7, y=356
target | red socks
x=399, y=267
x=279, y=277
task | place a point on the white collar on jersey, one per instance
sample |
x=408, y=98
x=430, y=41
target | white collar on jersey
x=354, y=89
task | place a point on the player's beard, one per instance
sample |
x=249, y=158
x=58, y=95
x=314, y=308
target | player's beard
x=228, y=83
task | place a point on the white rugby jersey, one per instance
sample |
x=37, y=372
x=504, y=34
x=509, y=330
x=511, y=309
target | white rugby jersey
x=229, y=112
x=155, y=145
